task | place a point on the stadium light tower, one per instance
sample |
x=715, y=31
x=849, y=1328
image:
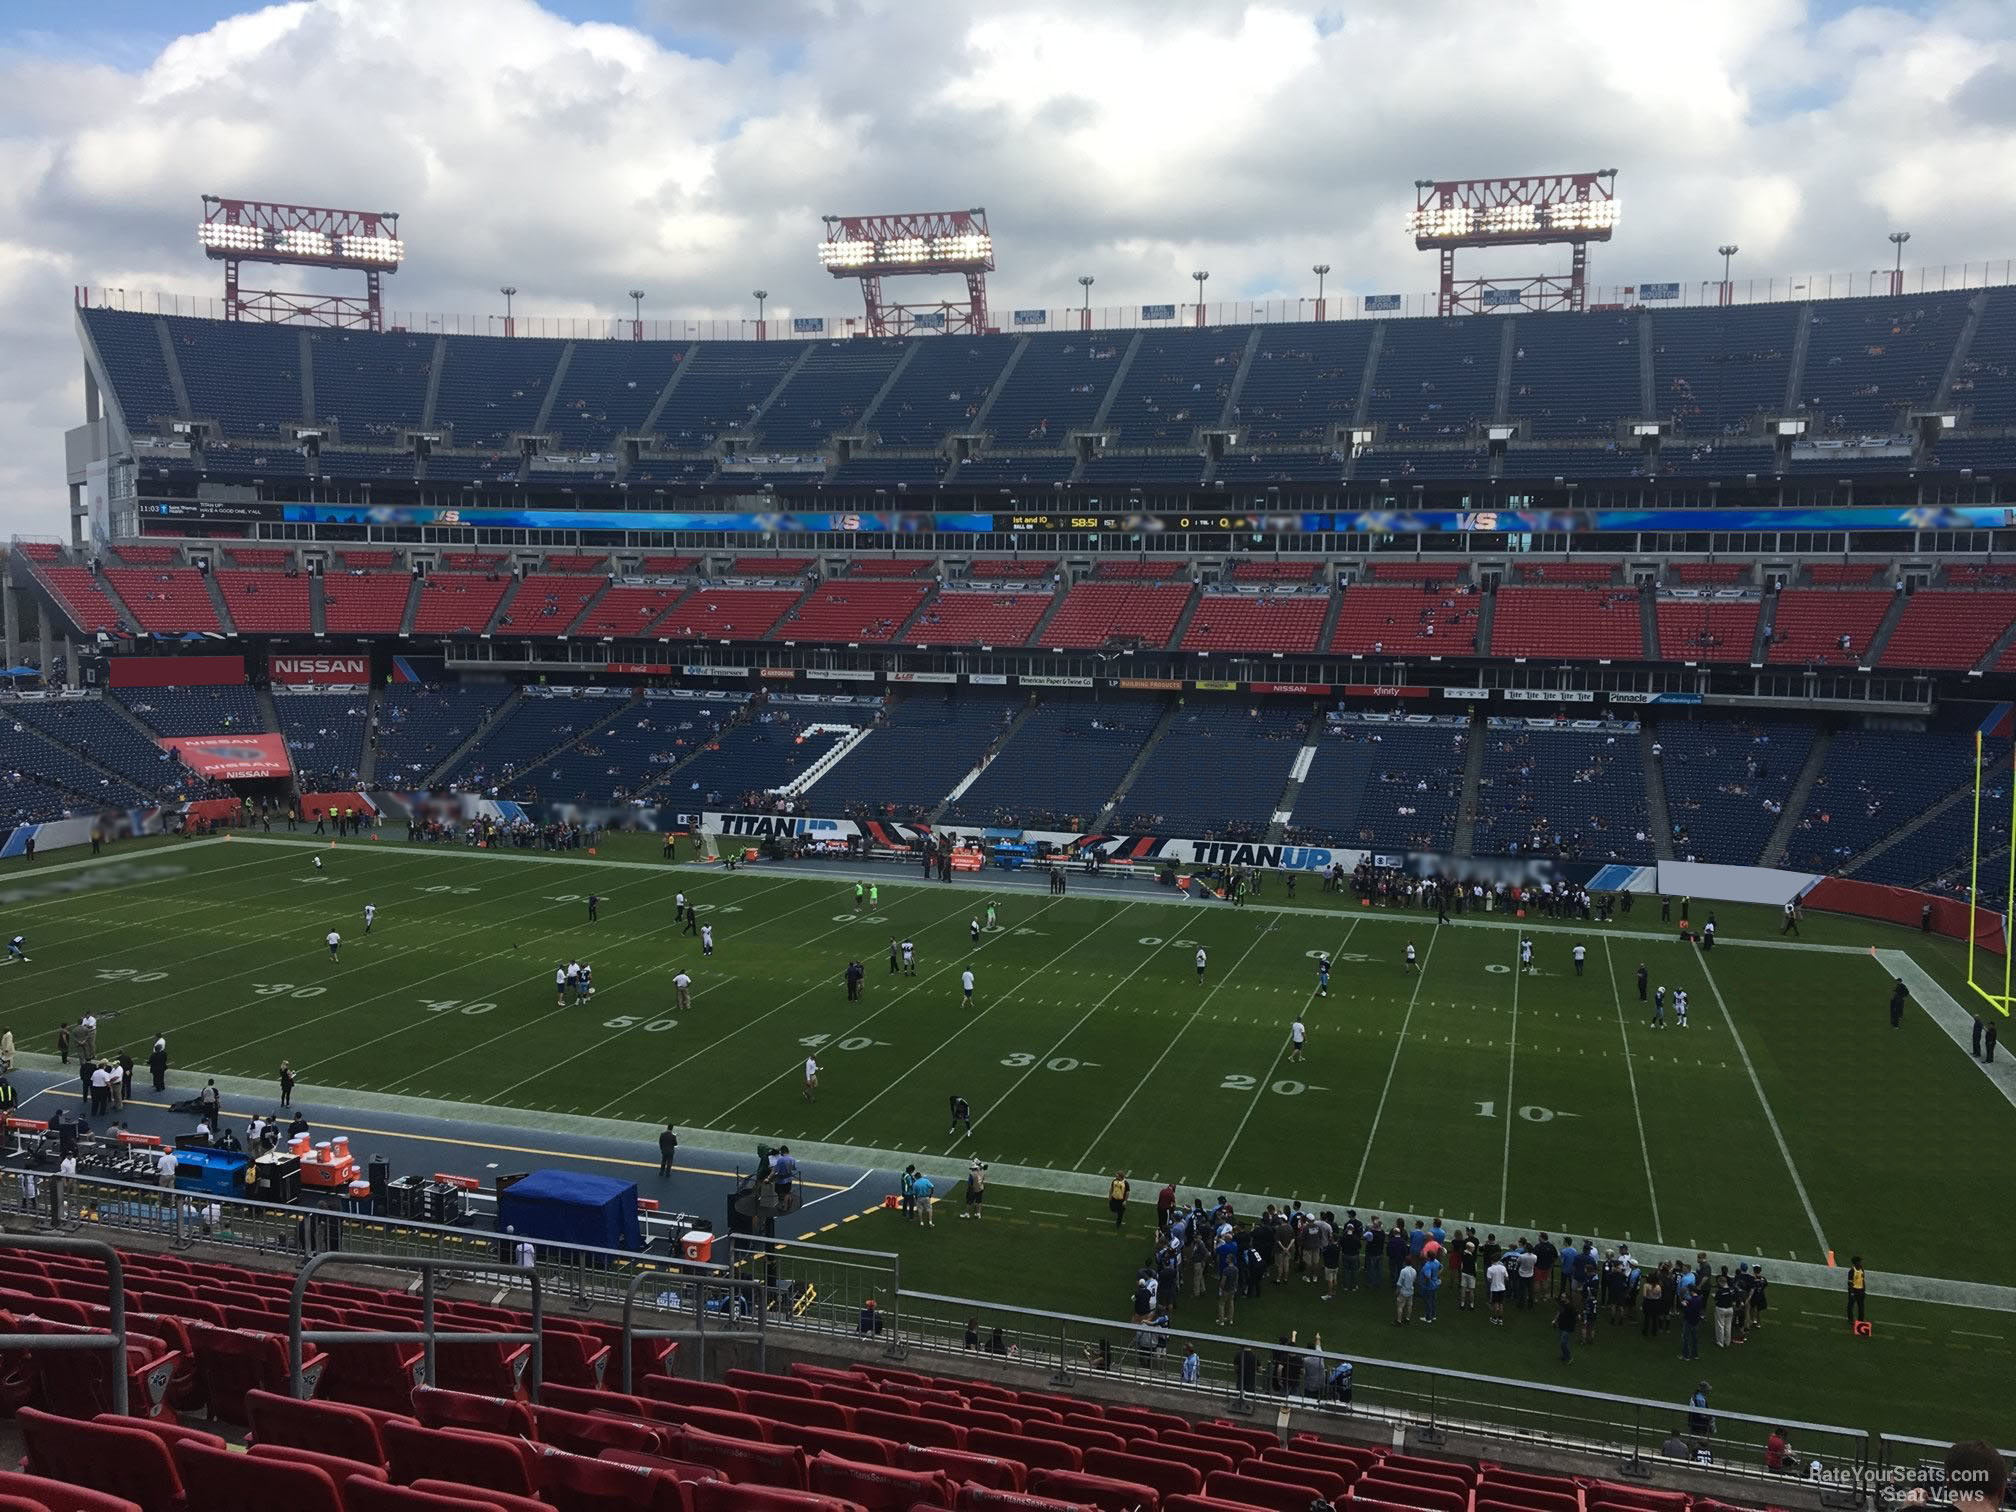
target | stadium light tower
x=237, y=231
x=874, y=247
x=508, y=291
x=1897, y=240
x=1550, y=209
x=1320, y=270
x=1085, y=315
x=1200, y=275
x=1728, y=250
x=636, y=314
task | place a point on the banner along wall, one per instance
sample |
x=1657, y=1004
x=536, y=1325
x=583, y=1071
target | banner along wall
x=177, y=671
x=232, y=756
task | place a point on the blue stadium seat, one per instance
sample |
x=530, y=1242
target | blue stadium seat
x=1713, y=369
x=1569, y=793
x=325, y=736
x=941, y=390
x=421, y=724
x=244, y=375
x=1727, y=781
x=1868, y=361
x=756, y=756
x=371, y=387
x=608, y=390
x=492, y=388
x=1056, y=388
x=1575, y=375
x=1386, y=785
x=504, y=757
x=1061, y=766
x=1217, y=773
x=1303, y=382
x=829, y=394
x=918, y=752
x=1179, y=382
x=1872, y=782
x=1436, y=378
x=194, y=711
x=131, y=348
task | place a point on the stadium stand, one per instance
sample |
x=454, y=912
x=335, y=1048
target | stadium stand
x=1260, y=623
x=1010, y=570
x=1303, y=383
x=325, y=737
x=1142, y=468
x=1575, y=624
x=1436, y=378
x=1063, y=764
x=873, y=468
x=1387, y=784
x=852, y=610
x=1179, y=380
x=1217, y=772
x=940, y=391
x=1704, y=629
x=1434, y=619
x=1280, y=467
x=503, y=758
x=608, y=391
x=828, y=393
x=629, y=609
x=1948, y=629
x=725, y=386
x=1163, y=570
x=763, y=753
x=1873, y=781
x=365, y=603
x=421, y=724
x=1825, y=627
x=889, y=567
x=1117, y=614
x=370, y=387
x=1054, y=390
x=1570, y=793
x=244, y=376
x=130, y=347
x=491, y=388
x=1573, y=376
x=1713, y=369
x=1943, y=846
x=917, y=753
x=458, y=603
x=1275, y=572
x=546, y=603
x=1727, y=781
x=619, y=761
x=165, y=600
x=194, y=711
x=1877, y=358
x=78, y=591
x=1011, y=470
x=730, y=614
x=977, y=617
x=92, y=729
x=265, y=602
x=1389, y=459
x=41, y=780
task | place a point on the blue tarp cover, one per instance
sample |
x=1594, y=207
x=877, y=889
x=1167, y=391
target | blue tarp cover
x=572, y=1207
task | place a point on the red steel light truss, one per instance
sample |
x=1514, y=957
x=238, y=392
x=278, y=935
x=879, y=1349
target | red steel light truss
x=237, y=231
x=1552, y=209
x=874, y=247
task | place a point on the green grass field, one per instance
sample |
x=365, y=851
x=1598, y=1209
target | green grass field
x=1788, y=1120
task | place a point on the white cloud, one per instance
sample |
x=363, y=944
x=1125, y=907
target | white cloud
x=1129, y=140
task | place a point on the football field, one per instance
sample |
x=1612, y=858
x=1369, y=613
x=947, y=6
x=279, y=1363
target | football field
x=1786, y=1120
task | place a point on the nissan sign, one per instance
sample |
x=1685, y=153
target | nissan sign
x=328, y=671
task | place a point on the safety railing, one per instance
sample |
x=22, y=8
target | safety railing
x=1244, y=1376
x=729, y=1300
x=429, y=1337
x=821, y=1286
x=113, y=1340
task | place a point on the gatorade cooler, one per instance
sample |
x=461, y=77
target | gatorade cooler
x=697, y=1244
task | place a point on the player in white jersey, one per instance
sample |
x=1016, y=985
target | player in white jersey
x=682, y=991
x=17, y=949
x=811, y=1078
x=560, y=986
x=909, y=958
x=370, y=914
x=1526, y=956
x=574, y=979
x=1201, y=959
x=1680, y=1007
x=1413, y=961
x=973, y=928
x=587, y=981
x=679, y=909
x=333, y=940
x=318, y=863
x=1296, y=1036
x=706, y=939
x=966, y=985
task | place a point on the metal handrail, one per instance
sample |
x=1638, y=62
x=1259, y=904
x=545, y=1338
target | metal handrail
x=115, y=1287
x=429, y=1336
x=698, y=1332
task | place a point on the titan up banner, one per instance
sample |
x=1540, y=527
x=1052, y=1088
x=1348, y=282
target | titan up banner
x=321, y=671
x=232, y=756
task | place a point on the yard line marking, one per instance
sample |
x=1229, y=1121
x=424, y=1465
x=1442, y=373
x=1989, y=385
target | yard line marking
x=965, y=906
x=1062, y=1040
x=1511, y=1063
x=1260, y=1088
x=993, y=1003
x=1940, y=1007
x=1399, y=1044
x=1770, y=1117
x=1644, y=1149
x=1185, y=1029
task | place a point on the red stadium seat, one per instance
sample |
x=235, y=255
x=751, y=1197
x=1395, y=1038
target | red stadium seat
x=1168, y=1477
x=325, y=1427
x=462, y=1409
x=120, y=1461
x=989, y=1499
x=503, y=1500
x=809, y=1411
x=725, y=1496
x=1096, y=1490
x=854, y=1446
x=878, y=1487
x=577, y=1483
x=380, y=1375
x=1254, y=1491
x=363, y=1495
x=338, y=1468
x=694, y=1393
x=460, y=1454
x=215, y=1477
x=591, y=1433
x=964, y=1468
x=1327, y=1483
x=39, y=1494
x=911, y=1430
x=234, y=1362
x=743, y=1460
x=1202, y=1438
x=1074, y=1434
x=1047, y=1454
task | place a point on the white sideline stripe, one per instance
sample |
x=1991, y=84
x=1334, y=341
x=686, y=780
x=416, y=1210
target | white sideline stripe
x=1770, y=1117
x=1949, y=1015
x=1399, y=1043
x=1260, y=1088
x=1511, y=1065
x=124, y=858
x=1644, y=1148
x=1943, y=1291
x=1149, y=1074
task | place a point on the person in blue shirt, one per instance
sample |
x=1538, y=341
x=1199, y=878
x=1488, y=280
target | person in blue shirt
x=1323, y=988
x=923, y=1188
x=1431, y=1284
x=1435, y=1232
x=1416, y=1237
x=1190, y=1364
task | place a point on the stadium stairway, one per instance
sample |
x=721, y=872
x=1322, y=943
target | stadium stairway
x=367, y=759
x=1767, y=618
x=1465, y=841
x=1655, y=794
x=1231, y=409
x=1284, y=811
x=412, y=605
x=1854, y=864
x=1327, y=635
x=1113, y=386
x=1873, y=656
x=979, y=425
x=482, y=732
x=318, y=611
x=217, y=603
x=755, y=425
x=1183, y=620
x=828, y=760
x=1993, y=657
x=126, y=615
x=1487, y=611
x=1043, y=624
x=1648, y=621
x=959, y=790
x=1147, y=749
x=1795, y=802
x=269, y=712
x=601, y=592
